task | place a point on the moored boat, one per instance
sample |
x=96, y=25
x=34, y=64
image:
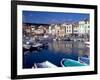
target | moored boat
x=45, y=64
x=35, y=47
x=84, y=60
x=26, y=47
x=87, y=44
x=70, y=63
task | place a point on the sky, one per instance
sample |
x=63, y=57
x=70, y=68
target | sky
x=40, y=17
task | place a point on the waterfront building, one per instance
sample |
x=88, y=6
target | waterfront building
x=62, y=31
x=52, y=29
x=40, y=30
x=84, y=27
x=81, y=27
x=87, y=30
x=87, y=26
x=76, y=28
x=57, y=30
x=27, y=29
x=68, y=28
x=32, y=28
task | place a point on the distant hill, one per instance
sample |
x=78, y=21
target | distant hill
x=37, y=24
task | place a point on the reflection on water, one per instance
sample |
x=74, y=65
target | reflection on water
x=69, y=47
x=55, y=53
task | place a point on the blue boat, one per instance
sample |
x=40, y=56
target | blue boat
x=70, y=63
x=84, y=60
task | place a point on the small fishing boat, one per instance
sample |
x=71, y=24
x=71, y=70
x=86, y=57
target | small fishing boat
x=45, y=64
x=87, y=44
x=26, y=47
x=39, y=46
x=34, y=47
x=70, y=63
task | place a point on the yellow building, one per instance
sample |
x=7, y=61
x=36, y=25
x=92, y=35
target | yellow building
x=62, y=31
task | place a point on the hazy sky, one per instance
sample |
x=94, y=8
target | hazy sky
x=52, y=17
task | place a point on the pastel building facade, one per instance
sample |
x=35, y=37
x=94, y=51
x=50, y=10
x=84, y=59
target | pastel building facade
x=81, y=27
x=87, y=27
x=84, y=27
x=76, y=28
x=69, y=29
x=52, y=29
x=57, y=30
